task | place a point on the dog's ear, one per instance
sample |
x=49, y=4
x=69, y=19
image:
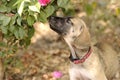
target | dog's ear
x=84, y=38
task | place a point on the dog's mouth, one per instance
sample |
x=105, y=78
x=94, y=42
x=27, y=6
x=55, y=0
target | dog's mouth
x=55, y=24
x=72, y=50
x=53, y=27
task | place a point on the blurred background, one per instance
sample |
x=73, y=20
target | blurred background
x=47, y=54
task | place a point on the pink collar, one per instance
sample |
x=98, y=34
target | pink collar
x=81, y=60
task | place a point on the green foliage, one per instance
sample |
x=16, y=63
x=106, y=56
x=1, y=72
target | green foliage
x=62, y=3
x=89, y=9
x=45, y=13
x=17, y=18
x=3, y=8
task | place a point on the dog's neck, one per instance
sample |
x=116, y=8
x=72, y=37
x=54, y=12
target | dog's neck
x=82, y=43
x=81, y=51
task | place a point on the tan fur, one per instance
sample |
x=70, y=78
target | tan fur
x=101, y=65
x=110, y=58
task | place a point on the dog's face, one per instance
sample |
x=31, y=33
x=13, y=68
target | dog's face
x=73, y=31
x=67, y=27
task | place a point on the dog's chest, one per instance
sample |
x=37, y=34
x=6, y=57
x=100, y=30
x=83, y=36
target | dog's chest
x=80, y=73
x=86, y=70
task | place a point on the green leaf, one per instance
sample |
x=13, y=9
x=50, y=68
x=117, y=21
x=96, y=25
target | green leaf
x=30, y=32
x=13, y=20
x=3, y=8
x=27, y=42
x=42, y=17
x=22, y=33
x=88, y=9
x=30, y=20
x=21, y=7
x=4, y=29
x=12, y=28
x=16, y=32
x=19, y=32
x=49, y=10
x=12, y=3
x=17, y=2
x=52, y=1
x=62, y=3
x=19, y=20
x=35, y=8
x=5, y=19
x=4, y=23
x=27, y=0
x=38, y=5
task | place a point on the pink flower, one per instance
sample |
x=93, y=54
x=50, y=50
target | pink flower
x=57, y=74
x=43, y=2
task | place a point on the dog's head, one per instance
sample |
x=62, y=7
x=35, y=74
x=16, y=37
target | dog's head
x=73, y=30
x=67, y=27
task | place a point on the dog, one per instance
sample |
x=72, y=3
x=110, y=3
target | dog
x=86, y=61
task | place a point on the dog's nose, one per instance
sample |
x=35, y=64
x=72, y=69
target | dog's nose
x=51, y=19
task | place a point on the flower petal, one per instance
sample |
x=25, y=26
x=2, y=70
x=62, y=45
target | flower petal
x=57, y=74
x=43, y=2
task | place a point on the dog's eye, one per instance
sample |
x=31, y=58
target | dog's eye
x=69, y=21
x=64, y=33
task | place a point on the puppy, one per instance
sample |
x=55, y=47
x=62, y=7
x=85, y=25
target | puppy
x=86, y=61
